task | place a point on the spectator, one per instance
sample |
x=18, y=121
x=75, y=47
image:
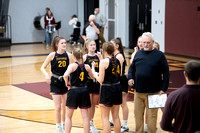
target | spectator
x=47, y=9
x=76, y=29
x=146, y=72
x=101, y=20
x=183, y=104
x=49, y=27
x=91, y=31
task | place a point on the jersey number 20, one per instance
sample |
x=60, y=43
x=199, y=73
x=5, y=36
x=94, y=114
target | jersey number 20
x=62, y=63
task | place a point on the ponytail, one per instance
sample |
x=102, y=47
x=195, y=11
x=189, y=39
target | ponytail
x=109, y=48
x=118, y=41
x=121, y=49
x=114, y=64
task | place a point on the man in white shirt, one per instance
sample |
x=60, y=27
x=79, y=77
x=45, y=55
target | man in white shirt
x=91, y=31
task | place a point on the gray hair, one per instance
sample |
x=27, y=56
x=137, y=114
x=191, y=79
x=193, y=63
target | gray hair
x=148, y=34
x=92, y=17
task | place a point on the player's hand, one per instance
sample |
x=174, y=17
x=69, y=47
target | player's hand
x=48, y=80
x=94, y=64
x=68, y=85
x=99, y=55
x=136, y=49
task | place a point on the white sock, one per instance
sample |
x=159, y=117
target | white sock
x=124, y=123
x=91, y=122
x=58, y=125
x=63, y=124
x=111, y=120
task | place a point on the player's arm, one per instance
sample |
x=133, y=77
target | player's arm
x=121, y=60
x=44, y=66
x=100, y=76
x=67, y=73
x=89, y=70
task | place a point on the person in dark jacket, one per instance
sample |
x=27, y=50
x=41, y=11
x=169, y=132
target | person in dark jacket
x=149, y=72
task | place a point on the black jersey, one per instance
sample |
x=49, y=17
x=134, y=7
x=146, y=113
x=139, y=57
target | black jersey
x=124, y=64
x=90, y=59
x=59, y=63
x=112, y=75
x=123, y=67
x=79, y=76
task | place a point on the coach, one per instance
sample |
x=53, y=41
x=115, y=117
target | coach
x=149, y=72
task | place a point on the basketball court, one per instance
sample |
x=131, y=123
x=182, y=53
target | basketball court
x=26, y=105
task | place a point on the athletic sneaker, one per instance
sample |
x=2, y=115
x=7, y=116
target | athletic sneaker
x=111, y=124
x=145, y=128
x=59, y=130
x=93, y=129
x=124, y=129
x=63, y=130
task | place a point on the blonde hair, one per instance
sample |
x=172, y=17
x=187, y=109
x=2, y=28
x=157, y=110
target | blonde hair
x=87, y=42
x=157, y=44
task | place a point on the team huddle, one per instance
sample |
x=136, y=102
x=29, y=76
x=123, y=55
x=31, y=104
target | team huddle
x=79, y=78
x=84, y=78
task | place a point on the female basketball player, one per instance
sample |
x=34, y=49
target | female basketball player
x=59, y=60
x=138, y=47
x=111, y=94
x=93, y=85
x=119, y=54
x=78, y=94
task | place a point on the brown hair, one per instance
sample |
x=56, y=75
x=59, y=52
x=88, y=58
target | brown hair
x=78, y=54
x=109, y=48
x=87, y=41
x=55, y=41
x=121, y=48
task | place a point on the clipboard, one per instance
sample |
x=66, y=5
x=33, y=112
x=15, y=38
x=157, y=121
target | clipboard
x=156, y=101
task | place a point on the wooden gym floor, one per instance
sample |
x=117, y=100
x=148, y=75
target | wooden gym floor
x=22, y=111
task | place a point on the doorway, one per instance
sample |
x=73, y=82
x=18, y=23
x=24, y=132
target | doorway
x=89, y=6
x=139, y=19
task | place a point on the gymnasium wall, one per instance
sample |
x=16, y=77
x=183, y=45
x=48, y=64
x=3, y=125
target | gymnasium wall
x=23, y=13
x=121, y=19
x=158, y=22
x=182, y=27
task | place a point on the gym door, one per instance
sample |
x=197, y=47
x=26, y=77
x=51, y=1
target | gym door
x=139, y=19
